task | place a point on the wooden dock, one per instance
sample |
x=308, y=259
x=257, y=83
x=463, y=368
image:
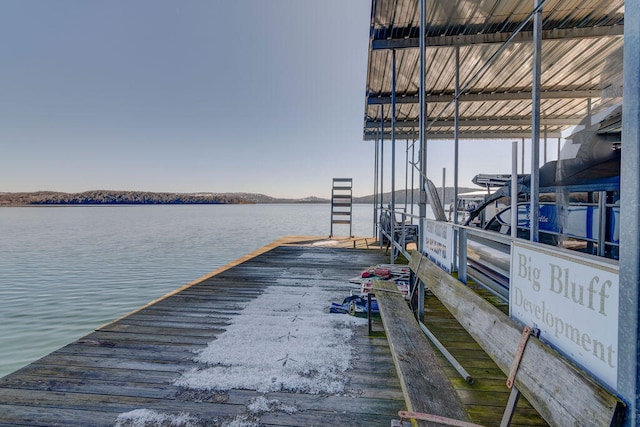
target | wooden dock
x=132, y=364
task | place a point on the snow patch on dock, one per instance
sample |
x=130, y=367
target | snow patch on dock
x=284, y=340
x=147, y=417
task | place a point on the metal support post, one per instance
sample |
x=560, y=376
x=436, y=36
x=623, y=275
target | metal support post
x=456, y=140
x=422, y=123
x=420, y=300
x=393, y=153
x=514, y=189
x=444, y=182
x=369, y=317
x=522, y=162
x=628, y=330
x=602, y=219
x=462, y=267
x=456, y=158
x=406, y=176
x=375, y=186
x=545, y=145
x=534, y=210
x=413, y=163
x=381, y=238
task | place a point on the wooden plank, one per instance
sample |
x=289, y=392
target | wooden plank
x=118, y=363
x=327, y=418
x=137, y=350
x=176, y=322
x=371, y=379
x=562, y=394
x=213, y=307
x=213, y=314
x=80, y=385
x=99, y=374
x=116, y=337
x=117, y=403
x=477, y=373
x=385, y=369
x=329, y=403
x=522, y=418
x=41, y=416
x=152, y=328
x=425, y=387
x=370, y=359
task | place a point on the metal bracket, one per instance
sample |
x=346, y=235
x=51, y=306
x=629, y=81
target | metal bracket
x=369, y=317
x=526, y=333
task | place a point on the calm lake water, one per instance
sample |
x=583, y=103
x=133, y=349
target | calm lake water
x=66, y=270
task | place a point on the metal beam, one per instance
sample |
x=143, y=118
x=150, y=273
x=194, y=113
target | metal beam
x=393, y=157
x=475, y=134
x=476, y=122
x=375, y=185
x=456, y=164
x=422, y=136
x=514, y=189
x=524, y=95
x=456, y=144
x=383, y=136
x=628, y=318
x=534, y=203
x=490, y=38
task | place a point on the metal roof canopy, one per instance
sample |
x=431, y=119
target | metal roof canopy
x=581, y=65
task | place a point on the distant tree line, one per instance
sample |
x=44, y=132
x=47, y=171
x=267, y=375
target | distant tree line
x=112, y=197
x=106, y=197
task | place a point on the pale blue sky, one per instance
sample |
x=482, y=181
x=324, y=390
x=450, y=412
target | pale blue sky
x=259, y=96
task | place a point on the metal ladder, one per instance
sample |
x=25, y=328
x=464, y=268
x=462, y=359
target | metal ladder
x=341, y=203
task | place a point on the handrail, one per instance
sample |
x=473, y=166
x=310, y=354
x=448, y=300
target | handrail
x=485, y=234
x=467, y=233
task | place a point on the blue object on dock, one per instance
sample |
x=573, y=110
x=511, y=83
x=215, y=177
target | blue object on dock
x=354, y=305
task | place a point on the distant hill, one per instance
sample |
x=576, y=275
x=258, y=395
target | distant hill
x=110, y=197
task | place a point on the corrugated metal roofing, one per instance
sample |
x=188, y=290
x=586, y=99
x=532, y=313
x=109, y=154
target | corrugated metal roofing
x=581, y=61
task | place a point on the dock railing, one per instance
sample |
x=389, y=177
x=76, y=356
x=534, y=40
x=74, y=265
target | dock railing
x=570, y=297
x=484, y=254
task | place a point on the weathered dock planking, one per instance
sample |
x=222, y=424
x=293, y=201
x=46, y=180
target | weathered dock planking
x=133, y=362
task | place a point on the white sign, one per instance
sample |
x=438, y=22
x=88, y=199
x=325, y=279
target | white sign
x=438, y=243
x=573, y=300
